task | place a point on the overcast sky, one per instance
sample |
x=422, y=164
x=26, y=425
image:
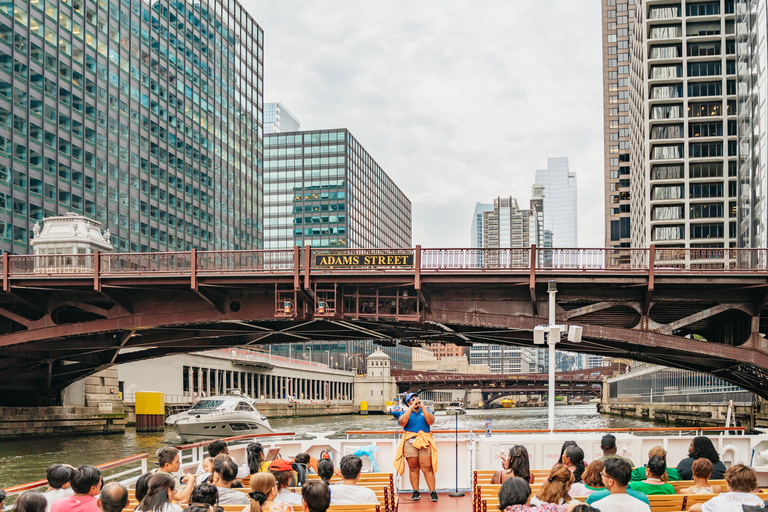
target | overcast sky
x=459, y=102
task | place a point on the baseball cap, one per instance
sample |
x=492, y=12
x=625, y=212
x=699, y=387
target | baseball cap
x=409, y=396
x=280, y=465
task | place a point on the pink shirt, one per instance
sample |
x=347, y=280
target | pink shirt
x=76, y=504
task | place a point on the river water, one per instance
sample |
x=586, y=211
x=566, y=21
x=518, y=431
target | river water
x=25, y=460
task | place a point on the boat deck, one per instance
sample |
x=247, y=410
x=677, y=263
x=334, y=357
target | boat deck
x=444, y=504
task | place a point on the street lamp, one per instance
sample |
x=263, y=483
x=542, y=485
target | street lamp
x=554, y=330
x=310, y=351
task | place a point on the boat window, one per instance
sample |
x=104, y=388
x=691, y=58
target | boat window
x=207, y=404
x=243, y=406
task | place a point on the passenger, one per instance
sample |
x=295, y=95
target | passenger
x=224, y=473
x=58, y=483
x=700, y=447
x=514, y=494
x=220, y=459
x=315, y=496
x=573, y=459
x=741, y=482
x=86, y=484
x=348, y=492
x=417, y=446
x=218, y=447
x=617, y=498
x=113, y=498
x=2, y=498
x=263, y=494
x=207, y=468
x=141, y=486
x=702, y=470
x=325, y=470
x=160, y=492
x=517, y=464
x=654, y=482
x=309, y=462
x=591, y=481
x=562, y=451
x=256, y=462
x=31, y=501
x=583, y=507
x=670, y=475
x=283, y=471
x=555, y=489
x=206, y=494
x=169, y=461
x=608, y=445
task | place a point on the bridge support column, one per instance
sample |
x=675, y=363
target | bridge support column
x=474, y=399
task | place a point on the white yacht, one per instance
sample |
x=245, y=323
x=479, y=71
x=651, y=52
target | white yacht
x=455, y=408
x=220, y=416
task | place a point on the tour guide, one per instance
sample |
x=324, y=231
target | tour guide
x=417, y=446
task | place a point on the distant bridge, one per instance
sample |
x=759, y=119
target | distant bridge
x=65, y=316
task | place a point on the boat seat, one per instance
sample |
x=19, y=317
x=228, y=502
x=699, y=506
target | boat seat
x=345, y=508
x=682, y=484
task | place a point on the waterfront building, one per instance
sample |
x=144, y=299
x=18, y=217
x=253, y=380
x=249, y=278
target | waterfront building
x=279, y=119
x=559, y=194
x=143, y=116
x=346, y=355
x=505, y=359
x=618, y=23
x=322, y=188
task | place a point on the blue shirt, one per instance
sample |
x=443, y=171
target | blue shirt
x=602, y=494
x=416, y=422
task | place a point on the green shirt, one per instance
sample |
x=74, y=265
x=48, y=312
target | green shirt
x=639, y=474
x=649, y=489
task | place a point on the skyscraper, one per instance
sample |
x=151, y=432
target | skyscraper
x=560, y=213
x=476, y=231
x=145, y=116
x=324, y=189
x=279, y=119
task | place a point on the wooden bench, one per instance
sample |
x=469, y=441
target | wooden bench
x=345, y=508
x=682, y=484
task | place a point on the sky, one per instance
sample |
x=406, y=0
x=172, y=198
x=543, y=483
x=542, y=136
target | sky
x=458, y=101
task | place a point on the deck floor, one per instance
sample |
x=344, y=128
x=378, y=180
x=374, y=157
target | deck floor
x=444, y=504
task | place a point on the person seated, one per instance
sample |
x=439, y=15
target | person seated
x=283, y=471
x=169, y=461
x=592, y=482
x=555, y=489
x=516, y=464
x=310, y=463
x=224, y=474
x=160, y=492
x=206, y=494
x=573, y=459
x=562, y=451
x=654, y=482
x=263, y=493
x=86, y=484
x=702, y=469
x=514, y=495
x=617, y=497
x=348, y=492
x=670, y=475
x=325, y=470
x=58, y=483
x=142, y=483
x=30, y=501
x=315, y=496
x=218, y=447
x=741, y=482
x=113, y=498
x=256, y=463
x=701, y=447
x=608, y=446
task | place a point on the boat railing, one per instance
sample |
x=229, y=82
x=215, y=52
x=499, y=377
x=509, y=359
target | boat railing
x=195, y=452
x=678, y=430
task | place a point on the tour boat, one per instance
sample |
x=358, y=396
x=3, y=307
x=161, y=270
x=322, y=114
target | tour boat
x=455, y=408
x=507, y=403
x=220, y=416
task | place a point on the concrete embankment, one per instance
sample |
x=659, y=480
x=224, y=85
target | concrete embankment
x=47, y=421
x=689, y=414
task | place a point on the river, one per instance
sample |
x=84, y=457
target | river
x=25, y=460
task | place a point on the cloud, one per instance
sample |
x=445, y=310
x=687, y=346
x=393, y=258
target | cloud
x=458, y=101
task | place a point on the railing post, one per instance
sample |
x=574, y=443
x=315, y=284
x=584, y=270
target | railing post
x=307, y=265
x=193, y=268
x=296, y=268
x=532, y=280
x=6, y=272
x=417, y=267
x=96, y=271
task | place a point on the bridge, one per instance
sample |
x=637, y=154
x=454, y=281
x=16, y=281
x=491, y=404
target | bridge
x=575, y=382
x=63, y=317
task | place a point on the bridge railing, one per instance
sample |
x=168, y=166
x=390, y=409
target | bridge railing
x=152, y=263
x=271, y=261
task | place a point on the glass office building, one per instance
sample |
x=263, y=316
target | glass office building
x=144, y=116
x=322, y=188
x=279, y=119
x=345, y=354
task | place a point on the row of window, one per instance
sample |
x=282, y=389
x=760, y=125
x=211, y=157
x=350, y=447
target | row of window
x=696, y=231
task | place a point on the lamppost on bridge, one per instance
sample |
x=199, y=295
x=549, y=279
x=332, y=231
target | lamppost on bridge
x=554, y=330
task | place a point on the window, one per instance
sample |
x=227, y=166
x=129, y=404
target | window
x=667, y=233
x=667, y=112
x=703, y=48
x=705, y=129
x=705, y=149
x=667, y=172
x=666, y=71
x=660, y=92
x=706, y=170
x=670, y=151
x=707, y=28
x=667, y=131
x=705, y=89
x=706, y=190
x=706, y=210
x=661, y=192
x=668, y=212
x=699, y=231
x=710, y=68
x=706, y=109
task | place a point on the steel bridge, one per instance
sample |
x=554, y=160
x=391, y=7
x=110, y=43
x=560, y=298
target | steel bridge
x=65, y=316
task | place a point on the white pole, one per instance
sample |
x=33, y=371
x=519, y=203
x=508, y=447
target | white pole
x=552, y=290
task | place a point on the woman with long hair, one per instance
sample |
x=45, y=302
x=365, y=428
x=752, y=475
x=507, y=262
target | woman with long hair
x=31, y=501
x=701, y=447
x=263, y=493
x=141, y=486
x=255, y=453
x=591, y=480
x=562, y=451
x=555, y=489
x=513, y=497
x=654, y=482
x=573, y=459
x=325, y=470
x=160, y=492
x=517, y=464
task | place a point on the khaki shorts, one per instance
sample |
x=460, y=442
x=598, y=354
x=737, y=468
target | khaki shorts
x=410, y=451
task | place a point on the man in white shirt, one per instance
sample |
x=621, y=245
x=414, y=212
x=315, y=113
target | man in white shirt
x=616, y=474
x=224, y=473
x=742, y=482
x=58, y=483
x=348, y=492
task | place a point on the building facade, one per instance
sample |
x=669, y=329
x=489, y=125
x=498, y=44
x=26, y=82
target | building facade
x=322, y=188
x=504, y=359
x=618, y=25
x=279, y=119
x=476, y=230
x=344, y=355
x=441, y=350
x=560, y=206
x=143, y=116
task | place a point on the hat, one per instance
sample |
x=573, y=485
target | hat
x=608, y=441
x=755, y=508
x=409, y=396
x=280, y=465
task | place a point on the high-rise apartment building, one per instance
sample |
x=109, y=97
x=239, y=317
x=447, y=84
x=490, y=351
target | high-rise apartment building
x=322, y=188
x=145, y=116
x=504, y=359
x=685, y=174
x=441, y=350
x=476, y=231
x=278, y=119
x=618, y=24
x=560, y=212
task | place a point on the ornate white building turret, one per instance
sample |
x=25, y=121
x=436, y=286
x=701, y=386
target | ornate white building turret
x=70, y=234
x=378, y=364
